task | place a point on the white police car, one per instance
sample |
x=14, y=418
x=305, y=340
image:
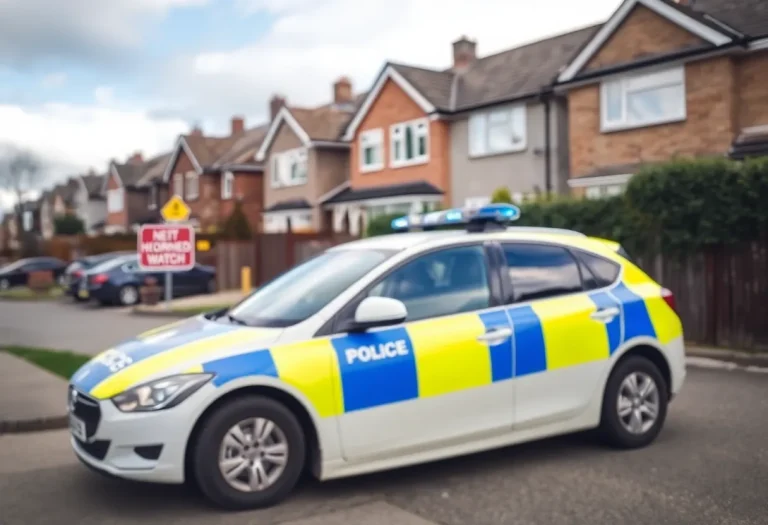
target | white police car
x=385, y=352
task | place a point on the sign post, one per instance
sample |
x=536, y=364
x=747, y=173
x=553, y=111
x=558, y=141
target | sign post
x=168, y=247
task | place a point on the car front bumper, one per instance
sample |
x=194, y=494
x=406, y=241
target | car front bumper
x=147, y=446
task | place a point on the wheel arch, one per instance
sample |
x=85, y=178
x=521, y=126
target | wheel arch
x=649, y=349
x=277, y=392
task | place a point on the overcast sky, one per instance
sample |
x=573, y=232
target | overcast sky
x=83, y=81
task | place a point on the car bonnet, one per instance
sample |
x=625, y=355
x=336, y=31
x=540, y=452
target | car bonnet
x=171, y=349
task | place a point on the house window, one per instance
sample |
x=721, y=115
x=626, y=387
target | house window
x=178, y=184
x=603, y=190
x=115, y=200
x=289, y=168
x=499, y=131
x=372, y=150
x=192, y=185
x=409, y=143
x=152, y=202
x=643, y=100
x=227, y=185
x=27, y=220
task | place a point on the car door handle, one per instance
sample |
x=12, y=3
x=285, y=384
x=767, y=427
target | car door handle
x=606, y=314
x=495, y=334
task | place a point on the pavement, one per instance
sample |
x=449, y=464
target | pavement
x=708, y=466
x=173, y=307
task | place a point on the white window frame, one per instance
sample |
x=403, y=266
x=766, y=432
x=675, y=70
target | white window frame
x=227, y=185
x=152, y=204
x=27, y=221
x=178, y=184
x=642, y=82
x=397, y=133
x=289, y=168
x=191, y=186
x=481, y=123
x=372, y=138
x=115, y=200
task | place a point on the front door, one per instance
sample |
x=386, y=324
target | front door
x=440, y=377
x=563, y=336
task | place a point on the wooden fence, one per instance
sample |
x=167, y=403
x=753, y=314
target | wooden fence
x=721, y=293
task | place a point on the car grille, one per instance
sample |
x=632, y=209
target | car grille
x=87, y=409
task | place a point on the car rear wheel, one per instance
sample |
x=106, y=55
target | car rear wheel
x=4, y=284
x=634, y=403
x=249, y=454
x=129, y=295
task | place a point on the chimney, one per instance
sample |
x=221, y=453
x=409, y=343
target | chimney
x=464, y=54
x=275, y=103
x=196, y=131
x=136, y=159
x=238, y=125
x=342, y=91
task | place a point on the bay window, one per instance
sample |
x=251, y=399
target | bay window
x=115, y=199
x=409, y=143
x=192, y=185
x=289, y=168
x=371, y=150
x=499, y=131
x=178, y=184
x=227, y=185
x=643, y=100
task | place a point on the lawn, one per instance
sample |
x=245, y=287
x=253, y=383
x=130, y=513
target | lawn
x=27, y=294
x=60, y=362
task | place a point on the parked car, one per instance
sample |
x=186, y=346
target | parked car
x=17, y=273
x=117, y=281
x=76, y=270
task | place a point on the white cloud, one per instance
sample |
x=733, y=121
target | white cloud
x=313, y=42
x=73, y=138
x=54, y=80
x=104, y=95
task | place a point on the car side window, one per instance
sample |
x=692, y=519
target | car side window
x=131, y=267
x=538, y=271
x=603, y=272
x=444, y=282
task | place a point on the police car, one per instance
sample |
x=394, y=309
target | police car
x=385, y=352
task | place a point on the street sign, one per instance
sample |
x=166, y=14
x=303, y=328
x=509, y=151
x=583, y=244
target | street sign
x=166, y=247
x=175, y=210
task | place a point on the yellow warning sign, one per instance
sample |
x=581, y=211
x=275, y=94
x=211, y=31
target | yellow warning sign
x=175, y=210
x=203, y=245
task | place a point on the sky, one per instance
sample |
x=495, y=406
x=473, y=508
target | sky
x=86, y=81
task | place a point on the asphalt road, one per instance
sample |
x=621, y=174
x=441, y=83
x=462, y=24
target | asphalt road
x=709, y=466
x=63, y=325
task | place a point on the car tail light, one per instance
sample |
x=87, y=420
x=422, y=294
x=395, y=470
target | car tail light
x=100, y=278
x=669, y=298
x=77, y=274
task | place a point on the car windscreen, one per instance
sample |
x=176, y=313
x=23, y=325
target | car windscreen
x=111, y=264
x=304, y=290
x=14, y=265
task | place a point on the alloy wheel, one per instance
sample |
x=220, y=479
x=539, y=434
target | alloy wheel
x=253, y=455
x=638, y=403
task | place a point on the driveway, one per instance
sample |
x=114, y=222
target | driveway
x=66, y=326
x=709, y=466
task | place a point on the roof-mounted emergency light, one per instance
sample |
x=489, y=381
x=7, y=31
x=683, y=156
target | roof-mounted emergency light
x=487, y=218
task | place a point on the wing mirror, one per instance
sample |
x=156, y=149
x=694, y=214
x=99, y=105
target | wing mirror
x=374, y=312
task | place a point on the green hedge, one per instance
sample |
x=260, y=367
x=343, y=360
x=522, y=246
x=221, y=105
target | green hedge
x=677, y=207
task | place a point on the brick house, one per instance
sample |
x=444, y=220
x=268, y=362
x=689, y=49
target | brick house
x=211, y=173
x=90, y=203
x=663, y=79
x=306, y=161
x=126, y=200
x=55, y=203
x=154, y=188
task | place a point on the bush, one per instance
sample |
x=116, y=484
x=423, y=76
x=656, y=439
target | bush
x=68, y=225
x=236, y=226
x=381, y=224
x=501, y=196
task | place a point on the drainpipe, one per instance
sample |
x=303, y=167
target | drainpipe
x=546, y=99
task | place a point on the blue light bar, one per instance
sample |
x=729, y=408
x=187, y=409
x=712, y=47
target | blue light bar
x=492, y=214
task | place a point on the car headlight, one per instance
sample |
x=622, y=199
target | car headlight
x=161, y=393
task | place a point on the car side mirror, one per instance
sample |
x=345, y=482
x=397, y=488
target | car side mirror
x=374, y=312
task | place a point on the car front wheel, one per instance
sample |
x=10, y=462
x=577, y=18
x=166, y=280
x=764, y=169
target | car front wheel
x=129, y=295
x=634, y=403
x=249, y=454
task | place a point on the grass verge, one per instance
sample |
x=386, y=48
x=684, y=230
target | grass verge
x=59, y=362
x=27, y=294
x=195, y=310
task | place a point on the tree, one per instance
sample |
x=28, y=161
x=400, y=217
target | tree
x=501, y=196
x=68, y=225
x=21, y=171
x=236, y=226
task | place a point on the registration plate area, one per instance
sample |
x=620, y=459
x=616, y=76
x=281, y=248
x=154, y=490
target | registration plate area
x=77, y=428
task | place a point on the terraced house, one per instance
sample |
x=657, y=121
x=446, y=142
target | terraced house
x=663, y=79
x=306, y=162
x=211, y=173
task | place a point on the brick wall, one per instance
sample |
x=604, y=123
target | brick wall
x=117, y=218
x=393, y=106
x=752, y=87
x=249, y=188
x=708, y=129
x=205, y=208
x=643, y=33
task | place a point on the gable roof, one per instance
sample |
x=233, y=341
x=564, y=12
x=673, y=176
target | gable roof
x=325, y=123
x=242, y=152
x=93, y=184
x=512, y=74
x=129, y=174
x=717, y=22
x=204, y=152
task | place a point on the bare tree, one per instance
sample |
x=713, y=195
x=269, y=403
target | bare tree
x=21, y=171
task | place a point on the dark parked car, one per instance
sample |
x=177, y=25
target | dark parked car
x=118, y=280
x=76, y=270
x=17, y=273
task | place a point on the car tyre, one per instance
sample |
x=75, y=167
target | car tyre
x=634, y=410
x=209, y=451
x=128, y=295
x=5, y=284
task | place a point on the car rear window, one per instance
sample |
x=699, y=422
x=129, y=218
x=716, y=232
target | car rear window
x=596, y=271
